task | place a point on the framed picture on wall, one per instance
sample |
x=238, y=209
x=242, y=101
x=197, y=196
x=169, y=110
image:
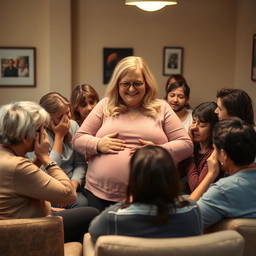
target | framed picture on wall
x=111, y=56
x=172, y=60
x=18, y=67
x=254, y=58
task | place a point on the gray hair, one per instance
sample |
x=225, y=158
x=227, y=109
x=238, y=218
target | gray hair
x=20, y=120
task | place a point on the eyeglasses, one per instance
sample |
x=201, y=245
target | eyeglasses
x=135, y=84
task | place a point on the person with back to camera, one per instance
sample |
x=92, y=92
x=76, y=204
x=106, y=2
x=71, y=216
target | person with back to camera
x=61, y=131
x=83, y=100
x=178, y=96
x=153, y=206
x=129, y=117
x=25, y=189
x=233, y=196
x=234, y=103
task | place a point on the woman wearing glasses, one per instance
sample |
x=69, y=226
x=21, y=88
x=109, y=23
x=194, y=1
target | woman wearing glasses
x=129, y=118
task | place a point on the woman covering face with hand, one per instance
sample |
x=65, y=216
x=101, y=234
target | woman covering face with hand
x=233, y=196
x=128, y=118
x=25, y=189
x=60, y=131
x=204, y=119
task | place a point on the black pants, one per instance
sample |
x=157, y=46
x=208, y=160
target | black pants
x=76, y=222
x=96, y=202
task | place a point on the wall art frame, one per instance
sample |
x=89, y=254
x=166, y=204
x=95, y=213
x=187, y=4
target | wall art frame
x=111, y=56
x=172, y=60
x=17, y=67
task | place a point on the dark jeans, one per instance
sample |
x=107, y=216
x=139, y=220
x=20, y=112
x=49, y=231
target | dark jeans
x=96, y=202
x=76, y=222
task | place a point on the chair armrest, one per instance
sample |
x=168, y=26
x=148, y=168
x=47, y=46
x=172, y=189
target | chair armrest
x=246, y=227
x=34, y=236
x=220, y=243
x=88, y=246
x=73, y=249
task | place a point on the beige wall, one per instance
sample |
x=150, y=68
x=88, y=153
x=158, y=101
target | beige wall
x=246, y=27
x=205, y=28
x=211, y=32
x=44, y=24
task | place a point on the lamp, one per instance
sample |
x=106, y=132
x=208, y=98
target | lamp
x=150, y=5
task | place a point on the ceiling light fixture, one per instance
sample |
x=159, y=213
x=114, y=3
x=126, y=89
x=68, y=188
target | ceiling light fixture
x=150, y=5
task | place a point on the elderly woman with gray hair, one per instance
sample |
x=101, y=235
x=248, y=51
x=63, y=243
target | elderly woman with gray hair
x=25, y=189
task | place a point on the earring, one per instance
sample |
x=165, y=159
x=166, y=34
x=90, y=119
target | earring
x=221, y=163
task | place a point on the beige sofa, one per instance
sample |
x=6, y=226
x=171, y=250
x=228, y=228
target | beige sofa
x=35, y=237
x=246, y=227
x=224, y=243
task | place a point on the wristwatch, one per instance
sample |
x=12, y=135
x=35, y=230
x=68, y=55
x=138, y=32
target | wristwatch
x=51, y=164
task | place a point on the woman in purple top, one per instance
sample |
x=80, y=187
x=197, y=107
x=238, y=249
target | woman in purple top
x=128, y=118
x=200, y=132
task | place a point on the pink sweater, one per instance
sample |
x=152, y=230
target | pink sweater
x=107, y=174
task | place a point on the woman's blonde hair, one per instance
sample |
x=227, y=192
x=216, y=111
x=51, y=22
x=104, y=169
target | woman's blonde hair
x=79, y=96
x=150, y=106
x=20, y=120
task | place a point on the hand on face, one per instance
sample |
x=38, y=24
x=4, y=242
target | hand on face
x=62, y=128
x=199, y=131
x=213, y=164
x=42, y=145
x=109, y=144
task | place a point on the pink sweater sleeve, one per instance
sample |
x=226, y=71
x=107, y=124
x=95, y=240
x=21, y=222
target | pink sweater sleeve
x=179, y=142
x=84, y=140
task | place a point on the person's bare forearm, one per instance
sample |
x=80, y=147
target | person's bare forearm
x=202, y=187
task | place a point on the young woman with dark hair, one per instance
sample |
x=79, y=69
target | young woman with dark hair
x=153, y=205
x=233, y=196
x=200, y=131
x=177, y=95
x=234, y=103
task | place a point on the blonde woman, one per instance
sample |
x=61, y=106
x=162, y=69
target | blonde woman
x=130, y=117
x=60, y=132
x=83, y=100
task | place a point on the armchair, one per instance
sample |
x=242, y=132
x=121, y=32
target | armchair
x=224, y=243
x=35, y=237
x=246, y=227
